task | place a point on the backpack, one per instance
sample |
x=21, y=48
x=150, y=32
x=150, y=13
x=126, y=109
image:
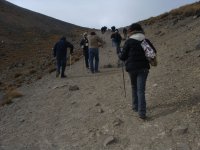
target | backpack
x=149, y=53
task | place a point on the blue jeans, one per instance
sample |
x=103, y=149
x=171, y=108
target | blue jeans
x=138, y=84
x=113, y=43
x=94, y=55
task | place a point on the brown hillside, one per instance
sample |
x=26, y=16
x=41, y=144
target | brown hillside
x=176, y=14
x=26, y=40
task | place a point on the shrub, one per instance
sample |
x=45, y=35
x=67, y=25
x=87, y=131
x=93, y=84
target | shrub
x=9, y=96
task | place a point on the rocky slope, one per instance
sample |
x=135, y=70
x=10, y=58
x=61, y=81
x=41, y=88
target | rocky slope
x=51, y=114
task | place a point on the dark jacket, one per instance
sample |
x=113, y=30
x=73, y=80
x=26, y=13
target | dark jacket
x=133, y=53
x=60, y=49
x=116, y=37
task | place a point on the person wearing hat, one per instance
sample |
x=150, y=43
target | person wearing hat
x=94, y=43
x=137, y=66
x=60, y=52
x=117, y=40
x=84, y=45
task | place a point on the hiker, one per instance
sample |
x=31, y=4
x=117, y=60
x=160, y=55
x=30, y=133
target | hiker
x=116, y=39
x=103, y=29
x=137, y=66
x=94, y=43
x=112, y=38
x=84, y=45
x=125, y=33
x=113, y=28
x=60, y=52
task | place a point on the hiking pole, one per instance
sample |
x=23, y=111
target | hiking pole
x=83, y=62
x=123, y=79
x=70, y=62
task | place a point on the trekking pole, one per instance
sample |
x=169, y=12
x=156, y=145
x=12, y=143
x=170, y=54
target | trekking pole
x=123, y=79
x=70, y=62
x=83, y=63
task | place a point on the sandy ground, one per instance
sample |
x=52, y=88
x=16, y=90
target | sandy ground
x=98, y=116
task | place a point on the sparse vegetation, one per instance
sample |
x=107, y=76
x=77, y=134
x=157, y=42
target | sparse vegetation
x=184, y=11
x=29, y=39
x=9, y=96
x=18, y=75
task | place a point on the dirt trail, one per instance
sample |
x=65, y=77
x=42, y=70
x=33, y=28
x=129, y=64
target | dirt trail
x=97, y=116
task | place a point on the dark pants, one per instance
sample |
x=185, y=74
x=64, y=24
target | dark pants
x=61, y=64
x=117, y=47
x=86, y=54
x=138, y=83
x=94, y=55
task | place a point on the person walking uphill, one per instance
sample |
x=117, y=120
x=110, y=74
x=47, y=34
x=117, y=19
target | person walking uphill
x=94, y=43
x=137, y=65
x=116, y=37
x=84, y=45
x=60, y=52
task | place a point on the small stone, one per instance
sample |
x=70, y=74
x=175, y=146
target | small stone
x=22, y=120
x=109, y=140
x=101, y=110
x=180, y=130
x=73, y=88
x=187, y=51
x=117, y=122
x=194, y=17
x=97, y=104
x=73, y=102
x=155, y=85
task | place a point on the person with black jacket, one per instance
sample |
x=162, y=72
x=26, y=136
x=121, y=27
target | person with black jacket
x=117, y=40
x=60, y=52
x=137, y=65
x=84, y=45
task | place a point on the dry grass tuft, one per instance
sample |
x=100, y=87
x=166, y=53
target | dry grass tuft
x=9, y=96
x=18, y=75
x=32, y=71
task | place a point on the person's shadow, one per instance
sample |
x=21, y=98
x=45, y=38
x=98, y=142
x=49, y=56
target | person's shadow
x=161, y=110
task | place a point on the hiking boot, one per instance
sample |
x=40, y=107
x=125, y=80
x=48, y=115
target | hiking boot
x=63, y=76
x=97, y=71
x=143, y=117
x=134, y=109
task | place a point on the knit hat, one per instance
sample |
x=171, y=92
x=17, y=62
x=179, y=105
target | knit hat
x=135, y=27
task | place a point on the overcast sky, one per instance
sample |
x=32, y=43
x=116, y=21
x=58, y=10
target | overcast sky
x=98, y=13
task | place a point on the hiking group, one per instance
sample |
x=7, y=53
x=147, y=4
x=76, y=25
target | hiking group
x=134, y=54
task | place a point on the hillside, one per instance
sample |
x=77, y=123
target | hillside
x=26, y=40
x=50, y=114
